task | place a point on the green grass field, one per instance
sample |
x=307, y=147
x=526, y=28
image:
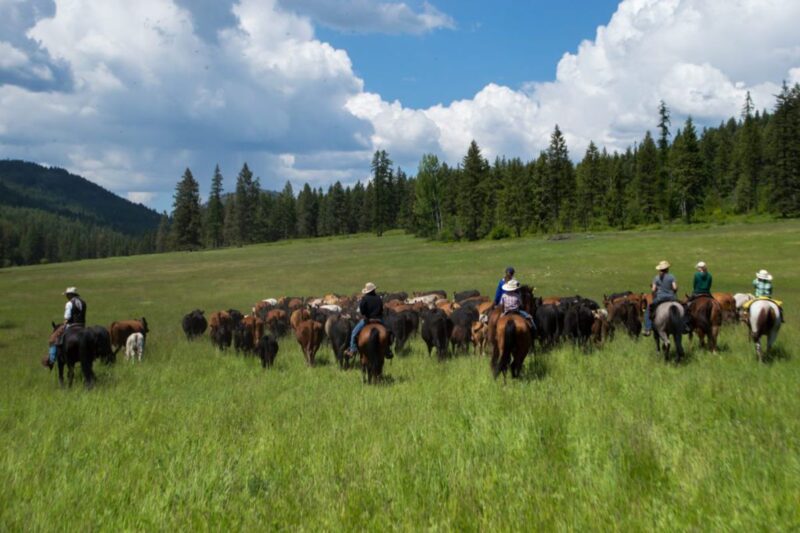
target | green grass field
x=192, y=439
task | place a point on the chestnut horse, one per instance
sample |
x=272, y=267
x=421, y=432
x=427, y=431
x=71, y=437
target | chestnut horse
x=511, y=336
x=373, y=345
x=706, y=320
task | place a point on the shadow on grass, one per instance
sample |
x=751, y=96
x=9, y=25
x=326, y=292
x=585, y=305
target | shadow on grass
x=536, y=369
x=777, y=353
x=6, y=324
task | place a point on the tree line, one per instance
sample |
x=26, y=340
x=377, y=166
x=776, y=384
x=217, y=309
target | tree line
x=32, y=236
x=749, y=164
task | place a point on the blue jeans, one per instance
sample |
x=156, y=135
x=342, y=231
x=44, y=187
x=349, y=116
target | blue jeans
x=527, y=316
x=52, y=353
x=354, y=335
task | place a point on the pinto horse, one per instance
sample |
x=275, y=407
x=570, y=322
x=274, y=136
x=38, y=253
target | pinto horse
x=373, y=345
x=78, y=345
x=706, y=319
x=764, y=318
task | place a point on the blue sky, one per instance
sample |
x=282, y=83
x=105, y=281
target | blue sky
x=509, y=42
x=129, y=94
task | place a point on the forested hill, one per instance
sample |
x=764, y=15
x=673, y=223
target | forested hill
x=58, y=192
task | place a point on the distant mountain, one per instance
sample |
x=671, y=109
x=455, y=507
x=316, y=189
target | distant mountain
x=56, y=191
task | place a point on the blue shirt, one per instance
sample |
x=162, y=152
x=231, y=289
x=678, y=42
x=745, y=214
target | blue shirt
x=499, y=292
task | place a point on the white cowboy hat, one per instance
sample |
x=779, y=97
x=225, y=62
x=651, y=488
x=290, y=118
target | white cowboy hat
x=663, y=265
x=763, y=274
x=701, y=264
x=368, y=288
x=71, y=290
x=511, y=285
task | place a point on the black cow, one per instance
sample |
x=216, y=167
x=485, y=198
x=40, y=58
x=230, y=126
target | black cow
x=243, y=340
x=436, y=328
x=463, y=295
x=267, y=350
x=398, y=324
x=392, y=296
x=549, y=320
x=102, y=342
x=464, y=317
x=578, y=322
x=194, y=324
x=339, y=330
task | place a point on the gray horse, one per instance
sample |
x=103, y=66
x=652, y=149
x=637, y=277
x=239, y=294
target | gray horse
x=669, y=321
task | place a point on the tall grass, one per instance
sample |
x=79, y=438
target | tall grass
x=196, y=439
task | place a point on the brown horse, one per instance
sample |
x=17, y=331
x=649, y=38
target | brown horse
x=309, y=336
x=512, y=339
x=728, y=305
x=373, y=345
x=706, y=319
x=510, y=335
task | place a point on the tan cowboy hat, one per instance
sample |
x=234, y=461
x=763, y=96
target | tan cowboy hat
x=763, y=274
x=368, y=288
x=701, y=264
x=71, y=290
x=663, y=265
x=512, y=285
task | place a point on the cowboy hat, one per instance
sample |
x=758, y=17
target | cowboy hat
x=701, y=264
x=368, y=288
x=512, y=285
x=763, y=274
x=663, y=265
x=71, y=290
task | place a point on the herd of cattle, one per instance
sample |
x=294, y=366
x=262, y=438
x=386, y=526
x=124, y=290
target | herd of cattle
x=447, y=326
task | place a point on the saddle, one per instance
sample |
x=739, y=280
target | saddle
x=375, y=321
x=747, y=304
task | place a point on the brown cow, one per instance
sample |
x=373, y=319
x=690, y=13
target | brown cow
x=221, y=329
x=479, y=337
x=728, y=305
x=255, y=327
x=277, y=322
x=484, y=308
x=294, y=303
x=297, y=316
x=459, y=339
x=447, y=307
x=551, y=300
x=122, y=329
x=309, y=336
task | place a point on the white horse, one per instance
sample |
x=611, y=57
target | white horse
x=764, y=319
x=669, y=321
x=134, y=347
x=742, y=298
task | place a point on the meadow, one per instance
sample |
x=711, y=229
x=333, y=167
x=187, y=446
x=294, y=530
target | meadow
x=194, y=439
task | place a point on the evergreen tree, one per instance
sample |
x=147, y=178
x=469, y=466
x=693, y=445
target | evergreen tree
x=688, y=170
x=470, y=199
x=163, y=240
x=559, y=183
x=286, y=219
x=785, y=148
x=307, y=212
x=381, y=195
x=187, y=220
x=215, y=212
x=245, y=206
x=428, y=197
x=664, y=183
x=513, y=196
x=647, y=179
x=230, y=226
x=747, y=160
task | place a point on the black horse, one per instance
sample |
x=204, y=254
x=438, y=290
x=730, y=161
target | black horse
x=79, y=345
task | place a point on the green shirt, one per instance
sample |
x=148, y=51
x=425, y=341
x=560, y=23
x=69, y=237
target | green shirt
x=702, y=283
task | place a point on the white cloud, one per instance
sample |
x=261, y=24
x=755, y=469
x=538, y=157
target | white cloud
x=130, y=93
x=372, y=16
x=138, y=197
x=700, y=56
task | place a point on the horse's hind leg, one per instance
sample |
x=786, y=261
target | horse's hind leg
x=88, y=374
x=60, y=372
x=70, y=374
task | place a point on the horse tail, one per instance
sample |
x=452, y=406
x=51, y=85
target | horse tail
x=766, y=321
x=675, y=320
x=87, y=348
x=703, y=319
x=509, y=338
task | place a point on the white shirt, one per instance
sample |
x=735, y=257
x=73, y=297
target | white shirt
x=68, y=309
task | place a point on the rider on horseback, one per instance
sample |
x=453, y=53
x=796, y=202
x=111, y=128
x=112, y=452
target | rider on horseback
x=664, y=288
x=74, y=316
x=702, y=283
x=498, y=294
x=762, y=286
x=511, y=301
x=371, y=308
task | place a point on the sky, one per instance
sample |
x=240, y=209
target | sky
x=129, y=94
